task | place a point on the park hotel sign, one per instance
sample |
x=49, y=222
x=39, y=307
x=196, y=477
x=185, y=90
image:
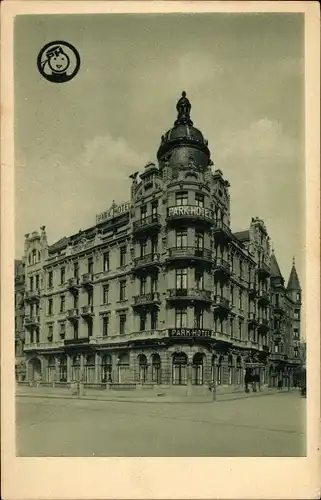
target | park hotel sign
x=189, y=332
x=112, y=212
x=190, y=211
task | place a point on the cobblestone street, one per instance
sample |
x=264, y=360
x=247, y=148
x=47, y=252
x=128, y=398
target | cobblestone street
x=271, y=425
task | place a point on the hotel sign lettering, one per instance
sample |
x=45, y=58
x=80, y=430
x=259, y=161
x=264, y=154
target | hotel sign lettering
x=191, y=210
x=189, y=332
x=112, y=212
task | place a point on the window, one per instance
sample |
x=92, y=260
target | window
x=232, y=295
x=296, y=314
x=277, y=300
x=198, y=317
x=90, y=298
x=181, y=317
x=199, y=240
x=296, y=333
x=143, y=248
x=90, y=264
x=154, y=284
x=276, y=348
x=240, y=329
x=142, y=322
x=62, y=330
x=105, y=325
x=122, y=256
x=50, y=304
x=76, y=331
x=181, y=198
x=31, y=283
x=232, y=327
x=199, y=280
x=76, y=270
x=122, y=290
x=298, y=297
x=62, y=303
x=122, y=323
x=50, y=279
x=106, y=261
x=62, y=275
x=154, y=209
x=241, y=269
x=76, y=301
x=232, y=262
x=34, y=256
x=296, y=353
x=143, y=212
x=154, y=245
x=143, y=282
x=181, y=278
x=37, y=281
x=199, y=200
x=154, y=319
x=181, y=239
x=50, y=332
x=241, y=299
x=105, y=294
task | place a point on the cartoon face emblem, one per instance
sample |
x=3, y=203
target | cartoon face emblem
x=58, y=60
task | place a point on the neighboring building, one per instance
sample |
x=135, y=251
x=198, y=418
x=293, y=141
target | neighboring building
x=159, y=290
x=19, y=289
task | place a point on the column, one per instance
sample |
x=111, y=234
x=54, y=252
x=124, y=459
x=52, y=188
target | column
x=68, y=368
x=189, y=373
x=97, y=368
x=57, y=368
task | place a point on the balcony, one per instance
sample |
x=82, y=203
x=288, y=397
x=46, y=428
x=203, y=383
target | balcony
x=39, y=346
x=253, y=290
x=193, y=294
x=87, y=311
x=150, y=260
x=277, y=356
x=32, y=321
x=252, y=320
x=146, y=299
x=76, y=342
x=127, y=338
x=277, y=335
x=263, y=324
x=73, y=314
x=32, y=295
x=278, y=309
x=87, y=280
x=73, y=284
x=190, y=213
x=263, y=270
x=263, y=297
x=192, y=254
x=221, y=231
x=151, y=223
x=221, y=267
x=221, y=305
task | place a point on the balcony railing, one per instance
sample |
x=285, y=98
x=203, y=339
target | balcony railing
x=87, y=310
x=222, y=266
x=263, y=324
x=130, y=337
x=192, y=253
x=190, y=212
x=43, y=345
x=189, y=294
x=151, y=259
x=221, y=303
x=32, y=295
x=86, y=279
x=263, y=297
x=221, y=230
x=252, y=319
x=263, y=269
x=146, y=299
x=31, y=321
x=278, y=309
x=149, y=222
x=277, y=356
x=73, y=314
x=73, y=283
x=76, y=341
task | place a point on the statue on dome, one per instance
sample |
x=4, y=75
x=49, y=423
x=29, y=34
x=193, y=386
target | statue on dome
x=183, y=110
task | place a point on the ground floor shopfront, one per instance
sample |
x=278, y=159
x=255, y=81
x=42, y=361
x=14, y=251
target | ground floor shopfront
x=176, y=365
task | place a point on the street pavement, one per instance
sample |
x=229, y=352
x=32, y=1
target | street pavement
x=271, y=425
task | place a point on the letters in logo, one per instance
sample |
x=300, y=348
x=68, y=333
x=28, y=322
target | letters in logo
x=189, y=332
x=58, y=61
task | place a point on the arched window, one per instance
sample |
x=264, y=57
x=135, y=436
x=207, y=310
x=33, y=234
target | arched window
x=38, y=255
x=90, y=369
x=156, y=368
x=106, y=369
x=219, y=370
x=142, y=362
x=34, y=256
x=63, y=368
x=197, y=369
x=230, y=363
x=179, y=368
x=238, y=370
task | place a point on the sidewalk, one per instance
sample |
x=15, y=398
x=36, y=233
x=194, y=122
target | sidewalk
x=138, y=397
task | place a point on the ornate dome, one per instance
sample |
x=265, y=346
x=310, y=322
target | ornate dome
x=183, y=133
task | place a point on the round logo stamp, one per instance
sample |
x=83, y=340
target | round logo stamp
x=58, y=62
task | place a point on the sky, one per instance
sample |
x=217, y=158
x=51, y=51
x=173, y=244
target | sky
x=76, y=143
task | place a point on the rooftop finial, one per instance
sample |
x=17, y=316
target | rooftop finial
x=183, y=111
x=293, y=261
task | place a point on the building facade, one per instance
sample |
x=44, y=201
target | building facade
x=160, y=290
x=19, y=308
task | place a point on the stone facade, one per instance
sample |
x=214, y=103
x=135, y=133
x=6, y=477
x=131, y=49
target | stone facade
x=159, y=290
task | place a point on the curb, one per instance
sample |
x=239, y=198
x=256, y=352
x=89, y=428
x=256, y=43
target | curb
x=156, y=401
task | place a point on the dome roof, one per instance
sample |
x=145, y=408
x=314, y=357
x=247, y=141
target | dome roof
x=183, y=133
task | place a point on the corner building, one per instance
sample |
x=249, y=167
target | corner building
x=159, y=290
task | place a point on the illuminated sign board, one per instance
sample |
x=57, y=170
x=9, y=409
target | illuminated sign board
x=189, y=332
x=191, y=210
x=112, y=212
